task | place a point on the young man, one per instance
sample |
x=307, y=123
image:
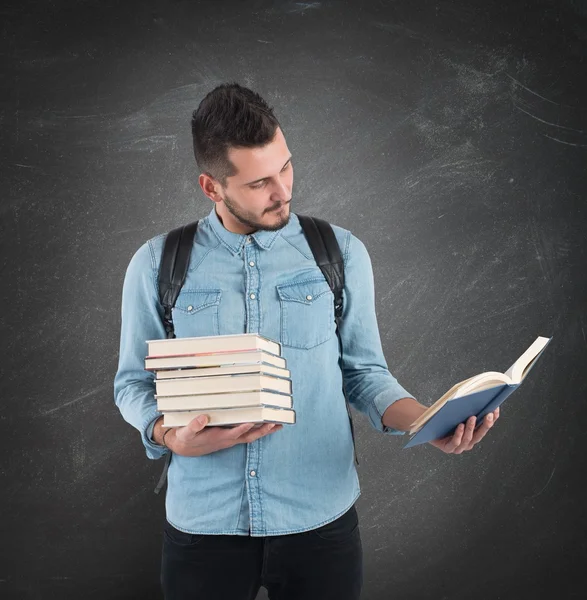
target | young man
x=272, y=506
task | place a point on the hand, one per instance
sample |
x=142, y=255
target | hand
x=464, y=438
x=195, y=439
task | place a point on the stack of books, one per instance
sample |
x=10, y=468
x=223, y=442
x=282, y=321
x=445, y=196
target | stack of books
x=239, y=378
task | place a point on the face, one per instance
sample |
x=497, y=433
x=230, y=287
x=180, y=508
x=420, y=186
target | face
x=258, y=196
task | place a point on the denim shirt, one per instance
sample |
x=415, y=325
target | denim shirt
x=268, y=282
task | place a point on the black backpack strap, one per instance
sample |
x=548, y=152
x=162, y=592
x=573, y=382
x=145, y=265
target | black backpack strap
x=326, y=251
x=173, y=268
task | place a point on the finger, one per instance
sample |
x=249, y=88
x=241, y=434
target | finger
x=262, y=431
x=483, y=427
x=456, y=439
x=480, y=434
x=481, y=431
x=466, y=431
x=183, y=432
x=195, y=426
x=240, y=430
x=469, y=430
x=226, y=437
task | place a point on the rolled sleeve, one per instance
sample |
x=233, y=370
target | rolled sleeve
x=370, y=386
x=141, y=320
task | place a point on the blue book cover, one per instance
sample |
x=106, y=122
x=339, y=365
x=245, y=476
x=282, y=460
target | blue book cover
x=478, y=403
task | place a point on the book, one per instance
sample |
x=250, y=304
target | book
x=229, y=400
x=214, y=359
x=223, y=370
x=478, y=395
x=222, y=383
x=211, y=343
x=231, y=416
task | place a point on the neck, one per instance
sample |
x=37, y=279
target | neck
x=232, y=225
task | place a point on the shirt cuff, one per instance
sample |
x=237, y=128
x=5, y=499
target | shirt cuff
x=381, y=403
x=154, y=450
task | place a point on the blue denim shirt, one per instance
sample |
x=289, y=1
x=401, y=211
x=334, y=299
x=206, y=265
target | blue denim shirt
x=303, y=476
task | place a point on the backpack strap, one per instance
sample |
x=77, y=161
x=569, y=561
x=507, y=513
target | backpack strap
x=173, y=268
x=326, y=251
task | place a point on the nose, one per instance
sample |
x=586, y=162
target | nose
x=283, y=192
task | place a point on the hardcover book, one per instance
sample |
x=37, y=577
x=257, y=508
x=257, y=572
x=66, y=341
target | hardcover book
x=218, y=384
x=213, y=359
x=231, y=416
x=478, y=395
x=211, y=343
x=229, y=400
x=259, y=367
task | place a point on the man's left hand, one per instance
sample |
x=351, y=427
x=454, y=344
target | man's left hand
x=465, y=436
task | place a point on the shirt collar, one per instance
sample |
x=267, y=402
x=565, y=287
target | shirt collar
x=236, y=241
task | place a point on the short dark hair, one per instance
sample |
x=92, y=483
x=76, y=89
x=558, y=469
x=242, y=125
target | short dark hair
x=229, y=116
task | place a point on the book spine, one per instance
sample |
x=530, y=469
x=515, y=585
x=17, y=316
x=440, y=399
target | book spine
x=176, y=409
x=199, y=396
x=213, y=353
x=499, y=399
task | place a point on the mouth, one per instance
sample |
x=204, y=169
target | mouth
x=277, y=208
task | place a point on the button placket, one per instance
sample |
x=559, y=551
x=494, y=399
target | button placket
x=252, y=284
x=252, y=318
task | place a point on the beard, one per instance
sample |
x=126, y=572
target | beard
x=251, y=220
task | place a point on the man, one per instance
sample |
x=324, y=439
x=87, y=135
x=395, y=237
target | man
x=271, y=506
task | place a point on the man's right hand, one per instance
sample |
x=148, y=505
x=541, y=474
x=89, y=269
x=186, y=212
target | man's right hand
x=195, y=439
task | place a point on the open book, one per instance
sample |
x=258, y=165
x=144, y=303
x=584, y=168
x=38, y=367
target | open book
x=479, y=395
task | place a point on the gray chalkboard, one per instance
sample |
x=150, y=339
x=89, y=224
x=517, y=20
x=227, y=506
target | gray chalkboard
x=449, y=136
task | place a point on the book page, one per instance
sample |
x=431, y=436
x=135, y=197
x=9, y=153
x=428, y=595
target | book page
x=518, y=370
x=480, y=382
x=432, y=410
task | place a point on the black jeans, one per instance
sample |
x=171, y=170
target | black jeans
x=324, y=563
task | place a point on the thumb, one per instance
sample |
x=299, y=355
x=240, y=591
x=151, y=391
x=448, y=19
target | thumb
x=192, y=428
x=199, y=423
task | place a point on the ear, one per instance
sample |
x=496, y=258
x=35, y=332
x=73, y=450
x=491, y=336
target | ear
x=209, y=187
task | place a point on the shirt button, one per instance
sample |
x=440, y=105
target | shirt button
x=253, y=473
x=190, y=307
x=252, y=296
x=252, y=263
x=308, y=297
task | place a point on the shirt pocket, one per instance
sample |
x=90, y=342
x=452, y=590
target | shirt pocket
x=196, y=313
x=307, y=313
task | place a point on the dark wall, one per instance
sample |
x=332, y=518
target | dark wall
x=450, y=136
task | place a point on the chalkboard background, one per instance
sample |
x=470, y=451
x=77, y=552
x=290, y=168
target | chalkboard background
x=450, y=136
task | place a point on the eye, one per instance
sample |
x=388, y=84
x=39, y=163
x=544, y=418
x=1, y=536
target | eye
x=262, y=183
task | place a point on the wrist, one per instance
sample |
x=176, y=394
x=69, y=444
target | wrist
x=402, y=413
x=166, y=437
x=159, y=431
